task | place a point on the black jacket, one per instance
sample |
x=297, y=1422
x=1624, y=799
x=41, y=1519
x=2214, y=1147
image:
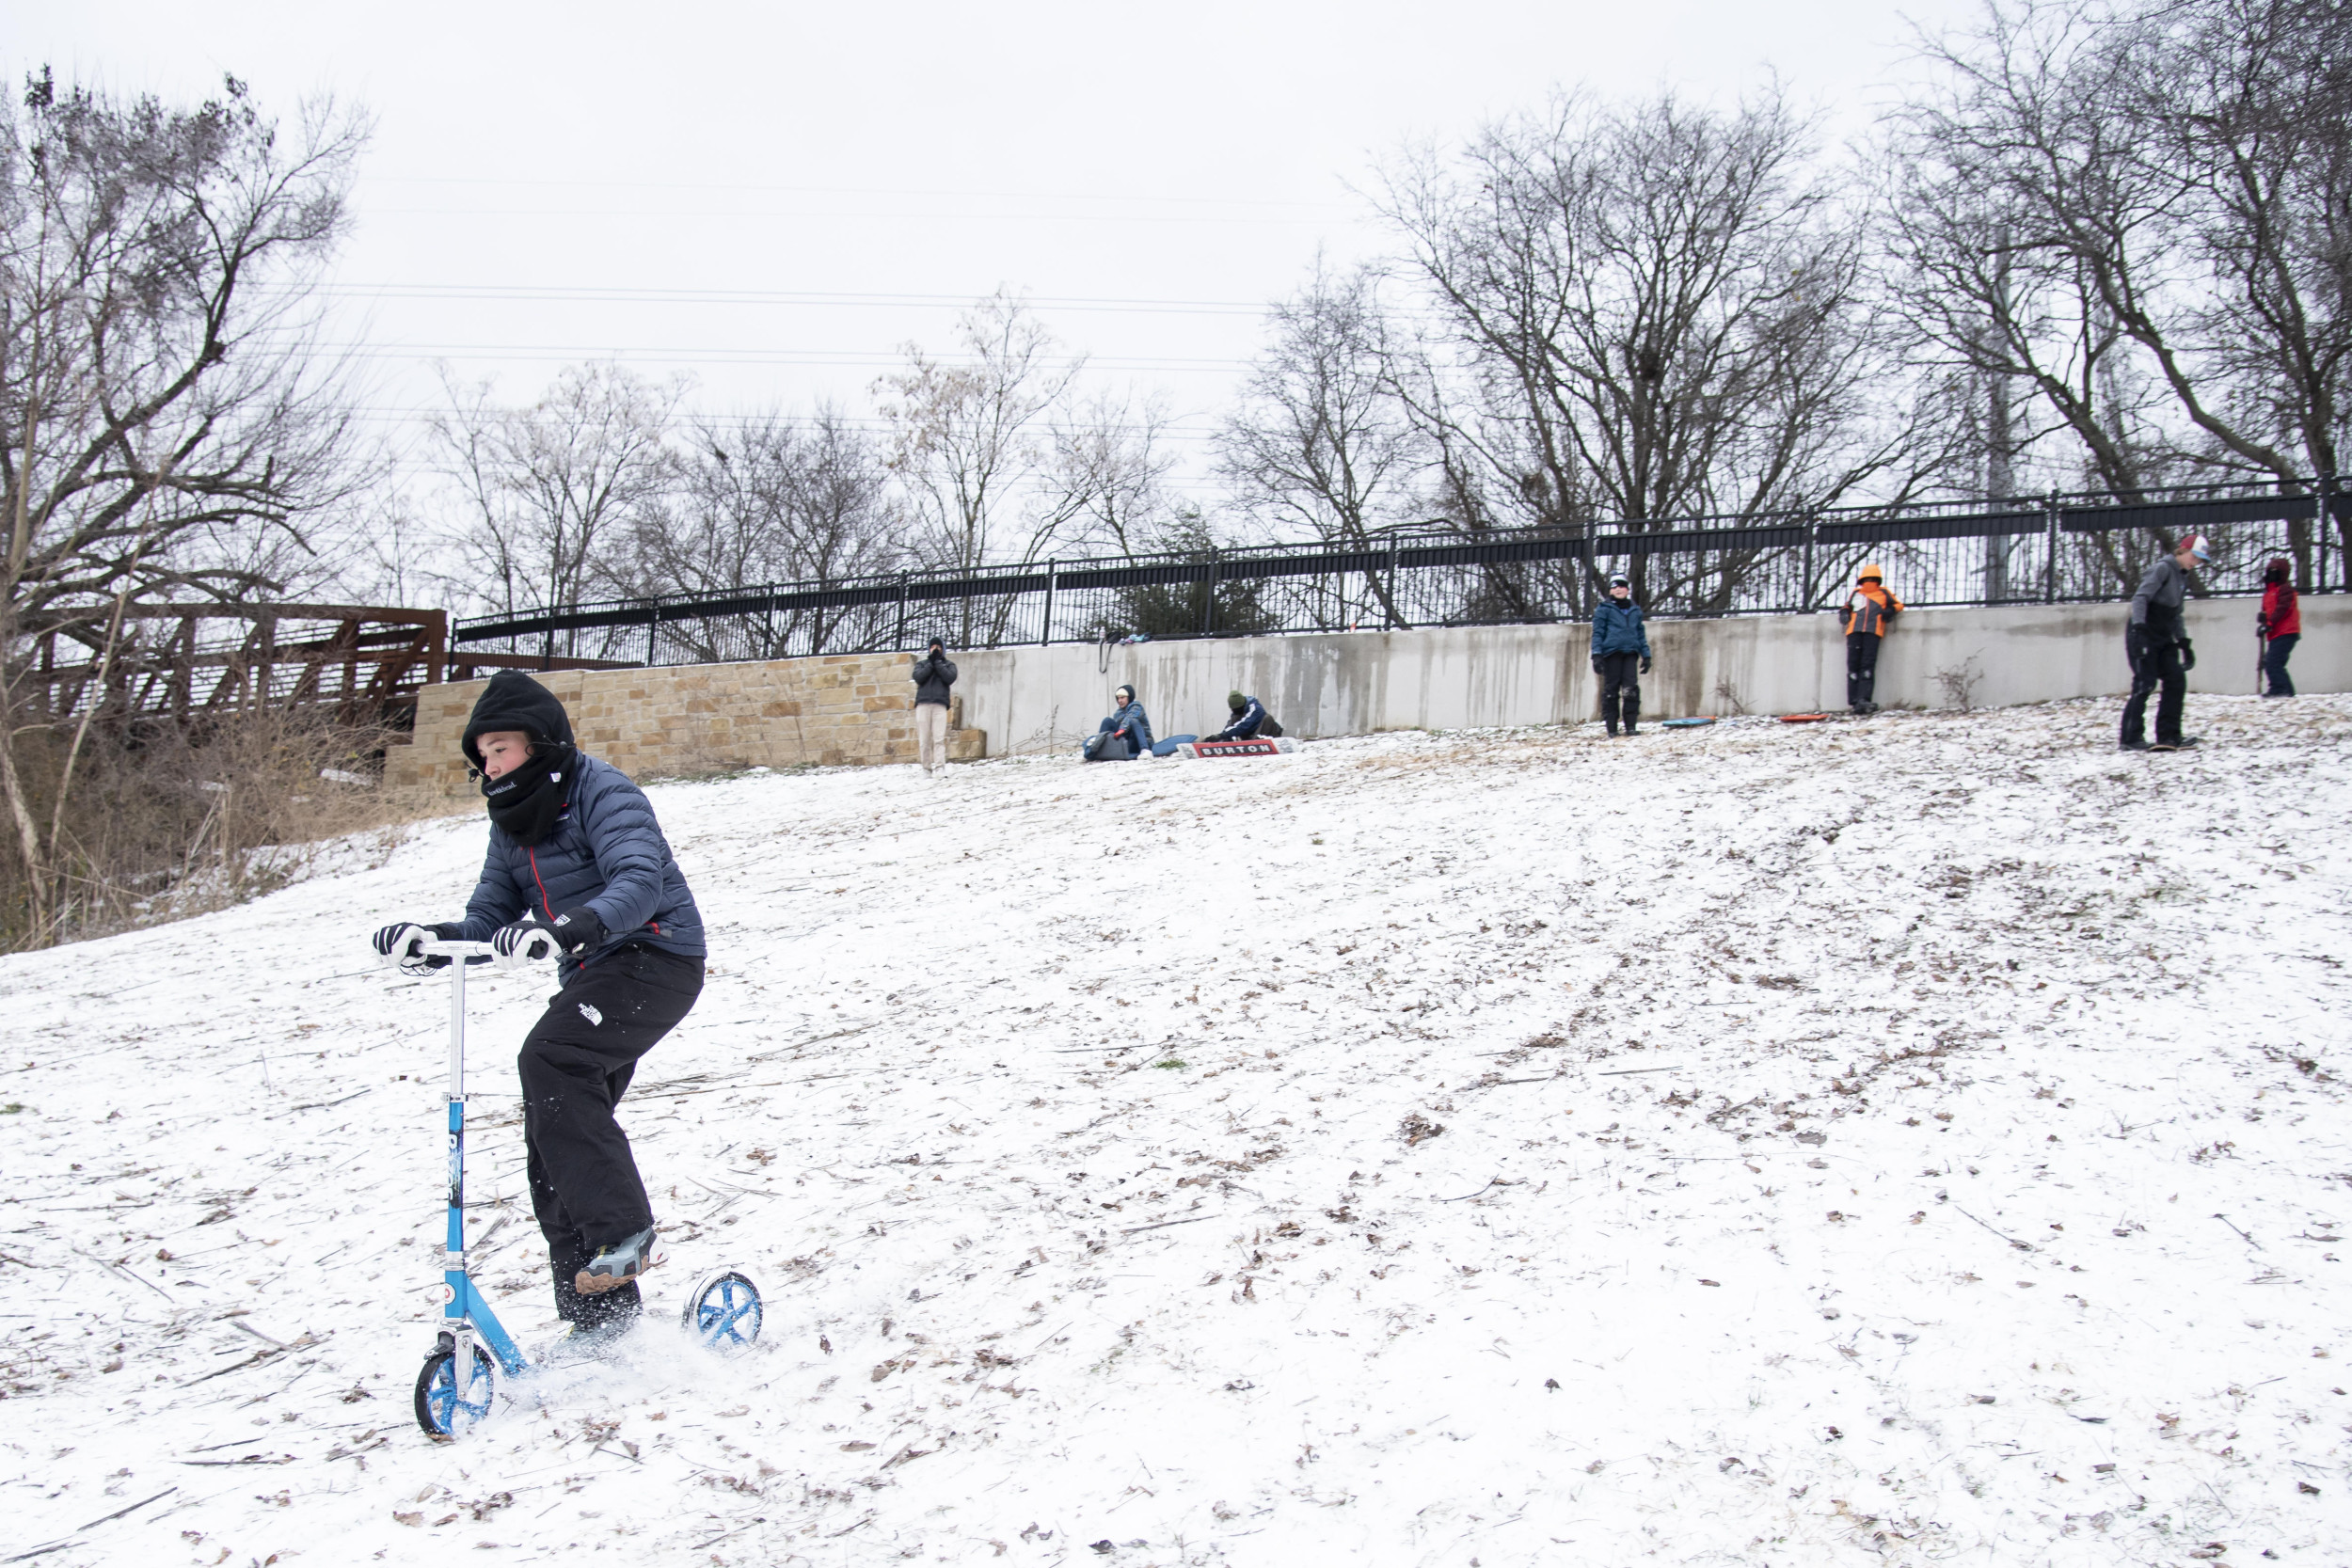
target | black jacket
x=1244, y=722
x=933, y=674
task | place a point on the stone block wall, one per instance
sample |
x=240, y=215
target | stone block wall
x=848, y=708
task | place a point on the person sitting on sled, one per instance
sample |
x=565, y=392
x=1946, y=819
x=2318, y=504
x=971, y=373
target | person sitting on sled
x=1248, y=716
x=1128, y=731
x=577, y=868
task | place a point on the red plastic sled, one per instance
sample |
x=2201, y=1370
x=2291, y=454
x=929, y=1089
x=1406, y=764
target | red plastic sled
x=1803, y=718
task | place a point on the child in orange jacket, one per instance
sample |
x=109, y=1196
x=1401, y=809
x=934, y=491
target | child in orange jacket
x=1865, y=616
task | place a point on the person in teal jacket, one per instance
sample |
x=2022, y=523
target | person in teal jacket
x=1620, y=648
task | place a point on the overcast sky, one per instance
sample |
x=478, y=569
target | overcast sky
x=773, y=198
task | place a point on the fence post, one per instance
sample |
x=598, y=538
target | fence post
x=2049, y=565
x=2329, y=537
x=653, y=634
x=901, y=640
x=1208, y=602
x=1046, y=631
x=1804, y=587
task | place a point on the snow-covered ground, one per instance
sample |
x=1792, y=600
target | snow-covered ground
x=1919, y=1140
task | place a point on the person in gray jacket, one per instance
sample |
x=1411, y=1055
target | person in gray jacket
x=2156, y=641
x=933, y=674
x=577, y=869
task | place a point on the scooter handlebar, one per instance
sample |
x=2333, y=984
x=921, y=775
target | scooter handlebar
x=434, y=948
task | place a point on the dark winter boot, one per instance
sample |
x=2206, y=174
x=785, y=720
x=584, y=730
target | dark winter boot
x=1632, y=710
x=617, y=1264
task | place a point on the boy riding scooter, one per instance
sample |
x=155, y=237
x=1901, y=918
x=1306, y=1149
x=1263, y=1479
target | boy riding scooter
x=577, y=870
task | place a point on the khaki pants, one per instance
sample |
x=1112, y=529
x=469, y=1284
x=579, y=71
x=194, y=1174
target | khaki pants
x=930, y=735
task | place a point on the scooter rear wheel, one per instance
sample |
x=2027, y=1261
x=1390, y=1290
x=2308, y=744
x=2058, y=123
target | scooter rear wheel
x=725, y=1314
x=440, y=1411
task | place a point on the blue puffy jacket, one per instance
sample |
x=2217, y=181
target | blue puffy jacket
x=1131, y=718
x=1617, y=629
x=1245, y=723
x=607, y=852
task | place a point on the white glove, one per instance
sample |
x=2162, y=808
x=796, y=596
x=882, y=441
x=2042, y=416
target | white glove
x=525, y=942
x=402, y=946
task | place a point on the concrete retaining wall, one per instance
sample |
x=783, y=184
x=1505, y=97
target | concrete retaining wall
x=1028, y=701
x=1356, y=683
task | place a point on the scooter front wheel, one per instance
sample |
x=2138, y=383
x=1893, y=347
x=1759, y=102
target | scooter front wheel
x=439, y=1410
x=724, y=1312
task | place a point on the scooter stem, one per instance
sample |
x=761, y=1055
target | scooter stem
x=465, y=1312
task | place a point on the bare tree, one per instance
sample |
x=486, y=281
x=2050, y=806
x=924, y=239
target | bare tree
x=548, y=490
x=1649, y=313
x=1320, y=442
x=2144, y=215
x=1106, y=475
x=767, y=498
x=967, y=438
x=168, y=427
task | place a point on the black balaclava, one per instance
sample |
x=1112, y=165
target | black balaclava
x=525, y=802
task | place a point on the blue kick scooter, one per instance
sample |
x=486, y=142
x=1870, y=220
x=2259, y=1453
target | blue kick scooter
x=462, y=1377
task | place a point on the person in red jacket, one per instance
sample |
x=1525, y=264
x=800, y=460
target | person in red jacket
x=2280, y=624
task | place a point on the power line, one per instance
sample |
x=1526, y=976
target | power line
x=608, y=295
x=652, y=356
x=847, y=190
x=1182, y=219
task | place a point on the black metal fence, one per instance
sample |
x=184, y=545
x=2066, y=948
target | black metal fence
x=2048, y=549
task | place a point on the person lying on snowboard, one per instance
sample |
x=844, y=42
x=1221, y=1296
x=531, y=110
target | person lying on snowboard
x=1249, y=713
x=577, y=868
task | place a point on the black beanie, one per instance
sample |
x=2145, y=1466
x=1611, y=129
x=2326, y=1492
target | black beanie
x=512, y=701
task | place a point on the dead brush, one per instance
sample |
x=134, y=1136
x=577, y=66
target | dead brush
x=163, y=821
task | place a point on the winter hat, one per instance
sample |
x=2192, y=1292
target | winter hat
x=1124, y=693
x=2197, y=546
x=1870, y=574
x=2280, y=569
x=938, y=646
x=1620, y=580
x=1235, y=701
x=512, y=701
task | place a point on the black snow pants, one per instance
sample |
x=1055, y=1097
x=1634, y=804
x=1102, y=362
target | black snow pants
x=2155, y=667
x=575, y=1064
x=1862, y=670
x=2275, y=656
x=1620, y=690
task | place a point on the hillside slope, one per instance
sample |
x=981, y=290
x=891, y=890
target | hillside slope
x=1920, y=1140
